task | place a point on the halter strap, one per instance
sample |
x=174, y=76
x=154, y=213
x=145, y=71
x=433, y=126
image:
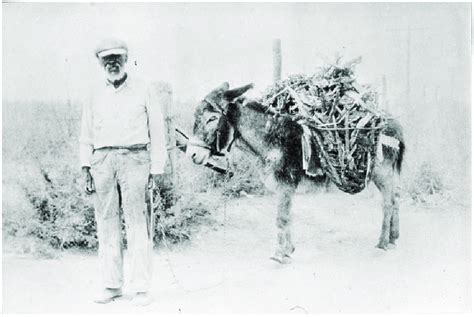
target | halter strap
x=235, y=133
x=215, y=105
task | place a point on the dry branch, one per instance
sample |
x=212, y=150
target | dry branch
x=342, y=116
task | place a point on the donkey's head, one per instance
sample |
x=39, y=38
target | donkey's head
x=213, y=122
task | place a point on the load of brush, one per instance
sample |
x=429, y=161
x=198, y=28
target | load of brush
x=338, y=115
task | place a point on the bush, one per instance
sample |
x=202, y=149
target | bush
x=243, y=177
x=44, y=204
x=58, y=212
x=426, y=183
x=40, y=152
x=175, y=223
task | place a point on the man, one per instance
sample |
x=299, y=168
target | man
x=122, y=143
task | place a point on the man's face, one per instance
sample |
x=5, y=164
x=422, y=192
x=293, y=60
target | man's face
x=114, y=65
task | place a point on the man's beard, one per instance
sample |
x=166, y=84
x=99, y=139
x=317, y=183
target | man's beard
x=114, y=76
x=114, y=72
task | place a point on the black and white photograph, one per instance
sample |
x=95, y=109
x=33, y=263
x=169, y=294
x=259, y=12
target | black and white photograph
x=236, y=157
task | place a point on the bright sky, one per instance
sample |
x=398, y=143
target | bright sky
x=48, y=47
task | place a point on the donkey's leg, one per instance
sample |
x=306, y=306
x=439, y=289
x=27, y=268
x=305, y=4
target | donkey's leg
x=285, y=246
x=395, y=223
x=284, y=219
x=383, y=178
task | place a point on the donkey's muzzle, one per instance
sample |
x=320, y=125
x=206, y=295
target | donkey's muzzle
x=198, y=151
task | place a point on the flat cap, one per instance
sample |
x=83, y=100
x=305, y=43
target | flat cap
x=111, y=46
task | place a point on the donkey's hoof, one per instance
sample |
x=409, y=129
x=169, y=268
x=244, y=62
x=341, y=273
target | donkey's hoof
x=281, y=258
x=382, y=245
x=392, y=245
x=290, y=250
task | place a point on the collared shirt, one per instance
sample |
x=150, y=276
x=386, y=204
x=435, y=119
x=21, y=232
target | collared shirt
x=127, y=116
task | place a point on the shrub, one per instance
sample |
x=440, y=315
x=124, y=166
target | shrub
x=44, y=203
x=62, y=217
x=242, y=177
x=425, y=183
x=175, y=223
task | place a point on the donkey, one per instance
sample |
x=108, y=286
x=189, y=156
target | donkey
x=226, y=117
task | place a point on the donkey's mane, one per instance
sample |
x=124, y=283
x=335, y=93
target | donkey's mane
x=275, y=133
x=254, y=105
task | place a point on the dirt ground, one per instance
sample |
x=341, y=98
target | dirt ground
x=226, y=268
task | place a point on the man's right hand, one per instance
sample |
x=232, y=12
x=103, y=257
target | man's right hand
x=89, y=187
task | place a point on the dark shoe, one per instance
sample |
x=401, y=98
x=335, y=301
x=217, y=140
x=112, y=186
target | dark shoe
x=108, y=295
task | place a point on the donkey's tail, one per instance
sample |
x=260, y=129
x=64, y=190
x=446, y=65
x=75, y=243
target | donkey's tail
x=393, y=129
x=401, y=152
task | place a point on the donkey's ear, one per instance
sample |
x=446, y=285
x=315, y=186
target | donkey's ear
x=237, y=92
x=218, y=91
x=223, y=87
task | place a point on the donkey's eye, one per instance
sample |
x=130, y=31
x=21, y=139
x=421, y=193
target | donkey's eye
x=213, y=118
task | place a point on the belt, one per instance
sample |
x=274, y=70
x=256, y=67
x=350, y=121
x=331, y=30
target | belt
x=133, y=148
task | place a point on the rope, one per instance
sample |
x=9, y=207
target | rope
x=168, y=250
x=152, y=232
x=168, y=261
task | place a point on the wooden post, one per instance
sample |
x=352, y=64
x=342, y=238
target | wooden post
x=171, y=142
x=276, y=60
x=384, y=94
x=171, y=167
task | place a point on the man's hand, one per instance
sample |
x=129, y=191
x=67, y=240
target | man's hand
x=89, y=187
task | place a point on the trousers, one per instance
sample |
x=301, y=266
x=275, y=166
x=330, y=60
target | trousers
x=130, y=170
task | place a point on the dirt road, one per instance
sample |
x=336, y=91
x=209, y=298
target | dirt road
x=226, y=268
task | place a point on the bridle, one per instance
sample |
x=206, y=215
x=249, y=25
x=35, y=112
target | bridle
x=226, y=131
